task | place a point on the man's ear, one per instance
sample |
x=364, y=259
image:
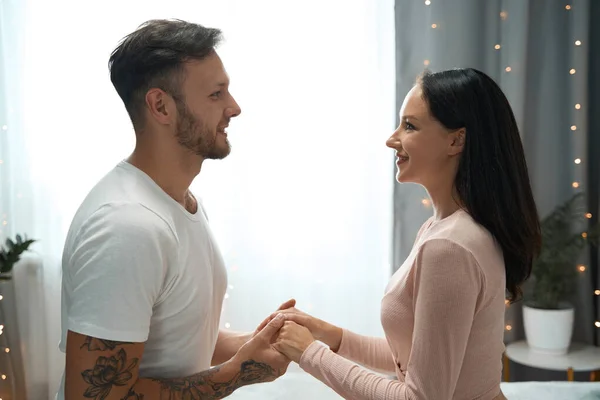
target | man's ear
x=457, y=141
x=160, y=106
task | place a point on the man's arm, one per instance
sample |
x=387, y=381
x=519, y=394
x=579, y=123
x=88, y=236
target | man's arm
x=229, y=342
x=108, y=370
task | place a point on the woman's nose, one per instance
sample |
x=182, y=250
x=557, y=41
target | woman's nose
x=393, y=141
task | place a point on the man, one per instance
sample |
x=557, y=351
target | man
x=143, y=278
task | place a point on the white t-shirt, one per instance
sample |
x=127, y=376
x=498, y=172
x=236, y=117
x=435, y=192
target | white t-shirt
x=138, y=267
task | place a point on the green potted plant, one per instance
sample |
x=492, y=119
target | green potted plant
x=10, y=255
x=548, y=313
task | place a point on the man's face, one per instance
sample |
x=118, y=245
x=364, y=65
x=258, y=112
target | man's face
x=206, y=109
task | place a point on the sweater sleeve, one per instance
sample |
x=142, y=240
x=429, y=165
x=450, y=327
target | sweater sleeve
x=447, y=283
x=372, y=352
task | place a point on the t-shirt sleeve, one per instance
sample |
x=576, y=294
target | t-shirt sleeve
x=115, y=272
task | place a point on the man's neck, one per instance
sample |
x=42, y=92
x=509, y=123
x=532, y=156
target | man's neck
x=171, y=170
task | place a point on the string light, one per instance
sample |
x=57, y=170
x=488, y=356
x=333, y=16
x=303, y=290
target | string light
x=227, y=325
x=577, y=106
x=7, y=350
x=584, y=235
x=597, y=323
x=578, y=161
x=427, y=2
x=581, y=268
x=568, y=7
x=503, y=15
x=426, y=62
x=508, y=327
x=3, y=376
x=434, y=26
x=572, y=71
x=578, y=43
x=597, y=292
x=573, y=127
x=575, y=184
x=508, y=69
x=588, y=215
x=497, y=47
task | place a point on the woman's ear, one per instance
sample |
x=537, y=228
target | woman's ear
x=457, y=141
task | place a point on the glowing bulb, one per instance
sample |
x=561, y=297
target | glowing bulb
x=568, y=7
x=1, y=297
x=506, y=302
x=597, y=323
x=577, y=106
x=426, y=62
x=497, y=47
x=3, y=376
x=7, y=350
x=434, y=26
x=503, y=14
x=508, y=327
x=427, y=2
x=573, y=127
x=578, y=161
x=588, y=215
x=584, y=235
x=508, y=69
x=575, y=184
x=227, y=325
x=578, y=43
x=597, y=292
x=572, y=71
x=581, y=268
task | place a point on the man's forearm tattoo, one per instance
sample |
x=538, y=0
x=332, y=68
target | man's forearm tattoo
x=203, y=386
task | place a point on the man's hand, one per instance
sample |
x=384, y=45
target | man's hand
x=290, y=304
x=293, y=340
x=258, y=358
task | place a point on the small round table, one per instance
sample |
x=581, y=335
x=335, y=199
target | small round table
x=580, y=357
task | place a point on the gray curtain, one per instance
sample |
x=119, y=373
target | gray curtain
x=531, y=48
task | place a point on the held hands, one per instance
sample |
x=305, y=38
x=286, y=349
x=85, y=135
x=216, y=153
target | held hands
x=300, y=330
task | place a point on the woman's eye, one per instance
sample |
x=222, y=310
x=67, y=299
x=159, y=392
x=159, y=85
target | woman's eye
x=409, y=126
x=216, y=94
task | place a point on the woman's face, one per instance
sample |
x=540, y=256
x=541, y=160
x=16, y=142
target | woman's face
x=426, y=151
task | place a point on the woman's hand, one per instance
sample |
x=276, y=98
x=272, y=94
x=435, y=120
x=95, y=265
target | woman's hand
x=292, y=340
x=327, y=333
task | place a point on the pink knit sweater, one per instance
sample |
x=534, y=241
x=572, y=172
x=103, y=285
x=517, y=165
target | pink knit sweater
x=443, y=317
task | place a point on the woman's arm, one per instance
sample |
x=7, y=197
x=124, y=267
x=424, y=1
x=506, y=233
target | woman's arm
x=371, y=352
x=447, y=282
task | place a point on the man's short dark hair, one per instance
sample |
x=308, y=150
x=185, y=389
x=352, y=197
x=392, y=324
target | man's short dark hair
x=153, y=57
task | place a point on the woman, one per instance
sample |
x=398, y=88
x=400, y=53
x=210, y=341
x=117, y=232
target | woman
x=443, y=310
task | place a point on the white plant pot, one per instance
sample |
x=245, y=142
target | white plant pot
x=548, y=331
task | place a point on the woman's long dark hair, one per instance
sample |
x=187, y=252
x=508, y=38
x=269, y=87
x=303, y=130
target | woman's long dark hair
x=492, y=180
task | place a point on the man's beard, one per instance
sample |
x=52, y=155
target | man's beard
x=197, y=137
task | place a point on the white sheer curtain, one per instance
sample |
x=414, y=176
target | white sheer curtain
x=303, y=205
